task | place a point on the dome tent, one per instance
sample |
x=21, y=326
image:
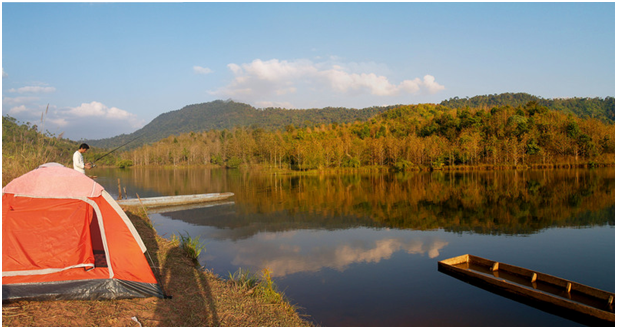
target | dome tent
x=65, y=237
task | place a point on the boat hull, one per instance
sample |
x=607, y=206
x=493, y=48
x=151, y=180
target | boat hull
x=577, y=302
x=166, y=201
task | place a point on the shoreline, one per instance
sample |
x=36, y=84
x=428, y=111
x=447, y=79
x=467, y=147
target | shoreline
x=388, y=169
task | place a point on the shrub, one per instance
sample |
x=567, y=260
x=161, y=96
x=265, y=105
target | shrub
x=234, y=162
x=124, y=163
x=351, y=162
x=217, y=160
x=402, y=165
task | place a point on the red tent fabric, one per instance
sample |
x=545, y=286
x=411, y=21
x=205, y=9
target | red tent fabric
x=65, y=237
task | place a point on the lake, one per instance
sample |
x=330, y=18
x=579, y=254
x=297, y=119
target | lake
x=362, y=249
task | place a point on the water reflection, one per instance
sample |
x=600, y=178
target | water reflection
x=288, y=253
x=488, y=203
x=362, y=249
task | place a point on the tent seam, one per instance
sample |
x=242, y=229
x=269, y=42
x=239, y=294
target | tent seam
x=43, y=271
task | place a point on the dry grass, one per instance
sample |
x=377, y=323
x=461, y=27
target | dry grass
x=199, y=299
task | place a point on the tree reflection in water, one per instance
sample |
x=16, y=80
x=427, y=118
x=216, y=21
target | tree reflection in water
x=351, y=248
x=498, y=202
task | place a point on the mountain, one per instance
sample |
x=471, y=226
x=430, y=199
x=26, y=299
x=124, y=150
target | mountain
x=221, y=115
x=584, y=107
x=228, y=114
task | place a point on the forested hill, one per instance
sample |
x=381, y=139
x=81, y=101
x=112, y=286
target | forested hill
x=599, y=108
x=229, y=114
x=221, y=115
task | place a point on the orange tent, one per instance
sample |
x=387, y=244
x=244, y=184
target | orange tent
x=65, y=237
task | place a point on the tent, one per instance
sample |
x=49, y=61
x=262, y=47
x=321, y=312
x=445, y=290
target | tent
x=65, y=237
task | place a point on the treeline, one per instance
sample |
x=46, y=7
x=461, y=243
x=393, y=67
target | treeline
x=424, y=136
x=584, y=107
x=25, y=147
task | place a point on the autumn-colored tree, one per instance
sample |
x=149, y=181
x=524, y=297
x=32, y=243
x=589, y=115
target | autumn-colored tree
x=410, y=137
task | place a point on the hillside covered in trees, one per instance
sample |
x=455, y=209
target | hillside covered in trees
x=220, y=115
x=404, y=137
x=584, y=107
x=229, y=114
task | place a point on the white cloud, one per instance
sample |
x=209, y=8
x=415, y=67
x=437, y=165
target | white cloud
x=277, y=71
x=94, y=109
x=284, y=91
x=236, y=69
x=266, y=104
x=100, y=110
x=345, y=82
x=59, y=122
x=89, y=120
x=260, y=81
x=431, y=85
x=18, y=100
x=18, y=109
x=201, y=70
x=33, y=89
x=4, y=74
x=97, y=109
x=116, y=113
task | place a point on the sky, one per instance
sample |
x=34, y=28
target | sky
x=97, y=70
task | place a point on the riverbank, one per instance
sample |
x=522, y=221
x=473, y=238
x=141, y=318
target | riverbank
x=199, y=298
x=606, y=160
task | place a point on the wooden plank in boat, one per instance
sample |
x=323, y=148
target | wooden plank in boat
x=572, y=300
x=175, y=200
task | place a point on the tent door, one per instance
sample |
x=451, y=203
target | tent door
x=97, y=242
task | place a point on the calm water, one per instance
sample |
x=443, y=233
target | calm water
x=362, y=250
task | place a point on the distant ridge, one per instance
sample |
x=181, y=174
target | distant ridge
x=228, y=114
x=584, y=107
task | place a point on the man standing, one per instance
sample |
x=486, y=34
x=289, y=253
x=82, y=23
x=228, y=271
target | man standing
x=78, y=159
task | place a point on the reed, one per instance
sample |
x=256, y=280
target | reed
x=191, y=246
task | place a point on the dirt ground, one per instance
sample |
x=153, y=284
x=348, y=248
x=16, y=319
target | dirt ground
x=198, y=299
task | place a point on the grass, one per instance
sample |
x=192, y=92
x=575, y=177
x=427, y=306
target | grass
x=244, y=279
x=200, y=298
x=263, y=287
x=191, y=246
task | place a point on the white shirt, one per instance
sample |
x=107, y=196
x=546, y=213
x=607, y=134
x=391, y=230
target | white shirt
x=78, y=162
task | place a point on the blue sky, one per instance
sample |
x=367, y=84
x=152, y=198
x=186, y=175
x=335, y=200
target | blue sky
x=110, y=68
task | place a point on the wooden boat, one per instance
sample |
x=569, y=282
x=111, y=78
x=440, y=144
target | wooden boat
x=190, y=206
x=175, y=200
x=577, y=302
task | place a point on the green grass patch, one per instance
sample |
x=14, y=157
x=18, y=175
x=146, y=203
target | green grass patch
x=263, y=287
x=191, y=246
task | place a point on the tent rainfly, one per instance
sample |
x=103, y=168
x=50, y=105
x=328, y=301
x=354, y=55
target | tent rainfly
x=65, y=237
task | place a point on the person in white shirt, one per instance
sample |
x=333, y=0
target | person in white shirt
x=78, y=159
